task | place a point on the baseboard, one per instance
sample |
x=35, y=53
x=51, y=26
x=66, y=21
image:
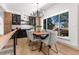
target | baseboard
x=70, y=46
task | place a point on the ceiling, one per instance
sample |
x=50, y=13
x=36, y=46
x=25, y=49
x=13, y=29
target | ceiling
x=24, y=8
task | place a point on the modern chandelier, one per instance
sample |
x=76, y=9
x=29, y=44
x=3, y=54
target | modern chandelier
x=38, y=12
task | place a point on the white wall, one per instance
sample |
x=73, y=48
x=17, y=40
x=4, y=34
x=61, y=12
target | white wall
x=1, y=23
x=73, y=20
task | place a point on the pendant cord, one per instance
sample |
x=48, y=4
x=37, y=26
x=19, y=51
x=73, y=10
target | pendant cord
x=37, y=10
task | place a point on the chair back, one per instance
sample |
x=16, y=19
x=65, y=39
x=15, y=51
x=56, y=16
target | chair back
x=31, y=35
x=53, y=37
x=47, y=39
x=27, y=31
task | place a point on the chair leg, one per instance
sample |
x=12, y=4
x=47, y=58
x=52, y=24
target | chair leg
x=55, y=48
x=32, y=47
x=29, y=42
x=40, y=46
x=49, y=49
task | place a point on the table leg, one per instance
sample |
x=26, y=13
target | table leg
x=16, y=36
x=40, y=46
x=16, y=41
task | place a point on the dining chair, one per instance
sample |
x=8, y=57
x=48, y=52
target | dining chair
x=51, y=40
x=32, y=39
x=28, y=34
x=28, y=37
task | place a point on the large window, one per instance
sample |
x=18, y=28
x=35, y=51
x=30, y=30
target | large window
x=64, y=24
x=59, y=21
x=44, y=23
x=52, y=21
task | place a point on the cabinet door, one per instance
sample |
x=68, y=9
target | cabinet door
x=32, y=21
x=7, y=22
x=16, y=19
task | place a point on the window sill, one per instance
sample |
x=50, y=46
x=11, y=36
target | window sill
x=64, y=38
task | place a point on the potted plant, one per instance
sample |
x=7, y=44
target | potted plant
x=38, y=28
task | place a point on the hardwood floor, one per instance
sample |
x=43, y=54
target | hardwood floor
x=24, y=49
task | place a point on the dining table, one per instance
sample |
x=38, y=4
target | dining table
x=40, y=33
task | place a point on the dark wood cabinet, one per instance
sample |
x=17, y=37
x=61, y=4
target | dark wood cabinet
x=16, y=19
x=32, y=20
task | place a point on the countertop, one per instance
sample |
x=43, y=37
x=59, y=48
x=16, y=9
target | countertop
x=22, y=26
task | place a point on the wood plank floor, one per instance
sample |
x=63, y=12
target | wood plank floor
x=23, y=49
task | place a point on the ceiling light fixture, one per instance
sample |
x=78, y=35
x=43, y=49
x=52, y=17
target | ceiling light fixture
x=38, y=12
